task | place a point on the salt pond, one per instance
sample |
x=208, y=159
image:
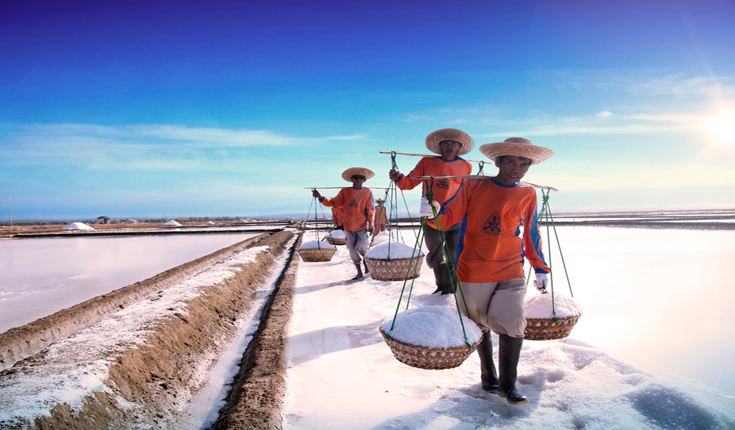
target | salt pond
x=659, y=298
x=42, y=276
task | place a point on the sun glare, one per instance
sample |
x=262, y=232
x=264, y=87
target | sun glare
x=721, y=127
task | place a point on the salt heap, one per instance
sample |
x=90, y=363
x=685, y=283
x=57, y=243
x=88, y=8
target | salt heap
x=172, y=223
x=78, y=226
x=317, y=244
x=336, y=234
x=539, y=306
x=432, y=327
x=397, y=251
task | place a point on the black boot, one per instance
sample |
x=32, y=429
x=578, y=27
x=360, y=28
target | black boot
x=443, y=284
x=366, y=268
x=509, y=354
x=359, y=272
x=487, y=367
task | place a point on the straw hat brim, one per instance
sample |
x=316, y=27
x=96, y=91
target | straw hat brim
x=433, y=139
x=352, y=171
x=537, y=154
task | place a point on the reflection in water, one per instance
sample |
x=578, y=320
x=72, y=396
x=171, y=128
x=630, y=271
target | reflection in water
x=43, y=276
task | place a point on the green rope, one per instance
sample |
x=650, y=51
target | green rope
x=449, y=261
x=405, y=281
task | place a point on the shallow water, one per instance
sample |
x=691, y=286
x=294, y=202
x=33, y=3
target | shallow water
x=660, y=298
x=41, y=276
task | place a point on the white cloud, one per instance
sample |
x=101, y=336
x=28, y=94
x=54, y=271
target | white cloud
x=141, y=146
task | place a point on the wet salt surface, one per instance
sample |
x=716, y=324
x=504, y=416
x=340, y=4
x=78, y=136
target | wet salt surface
x=42, y=276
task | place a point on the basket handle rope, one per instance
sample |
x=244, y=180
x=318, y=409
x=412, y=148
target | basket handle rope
x=549, y=219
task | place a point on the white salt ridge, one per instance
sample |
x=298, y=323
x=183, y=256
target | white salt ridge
x=78, y=226
x=336, y=234
x=316, y=244
x=432, y=327
x=396, y=249
x=540, y=306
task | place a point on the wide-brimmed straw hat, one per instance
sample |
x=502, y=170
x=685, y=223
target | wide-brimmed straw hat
x=518, y=147
x=379, y=201
x=352, y=171
x=433, y=139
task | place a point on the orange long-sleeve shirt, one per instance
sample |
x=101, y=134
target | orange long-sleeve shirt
x=443, y=189
x=499, y=229
x=357, y=208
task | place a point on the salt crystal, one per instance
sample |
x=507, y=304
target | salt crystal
x=316, y=244
x=336, y=234
x=397, y=250
x=540, y=306
x=432, y=327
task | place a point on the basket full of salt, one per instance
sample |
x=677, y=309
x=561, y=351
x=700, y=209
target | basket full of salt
x=336, y=237
x=316, y=251
x=394, y=261
x=548, y=321
x=431, y=337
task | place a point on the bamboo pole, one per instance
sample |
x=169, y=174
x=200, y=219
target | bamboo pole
x=429, y=156
x=476, y=177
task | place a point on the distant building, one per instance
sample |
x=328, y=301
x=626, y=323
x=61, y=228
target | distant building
x=103, y=219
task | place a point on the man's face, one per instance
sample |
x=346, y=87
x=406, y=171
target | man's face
x=357, y=181
x=511, y=169
x=449, y=149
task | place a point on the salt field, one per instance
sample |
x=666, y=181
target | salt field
x=42, y=276
x=655, y=297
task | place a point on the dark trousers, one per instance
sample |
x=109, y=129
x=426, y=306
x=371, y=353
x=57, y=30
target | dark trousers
x=433, y=242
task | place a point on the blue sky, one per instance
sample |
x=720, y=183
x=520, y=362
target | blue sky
x=231, y=108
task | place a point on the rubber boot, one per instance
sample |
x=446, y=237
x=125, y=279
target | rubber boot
x=509, y=353
x=441, y=275
x=487, y=367
x=366, y=268
x=359, y=272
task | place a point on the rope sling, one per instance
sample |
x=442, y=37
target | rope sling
x=315, y=202
x=450, y=263
x=545, y=215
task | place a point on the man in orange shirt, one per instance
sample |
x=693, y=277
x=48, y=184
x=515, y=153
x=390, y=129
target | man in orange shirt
x=449, y=143
x=499, y=228
x=337, y=218
x=381, y=219
x=357, y=213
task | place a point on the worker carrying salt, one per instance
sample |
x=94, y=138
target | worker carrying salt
x=381, y=219
x=337, y=218
x=357, y=213
x=449, y=143
x=494, y=212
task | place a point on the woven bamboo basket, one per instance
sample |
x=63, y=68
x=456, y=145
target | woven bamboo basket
x=424, y=357
x=547, y=329
x=311, y=255
x=394, y=269
x=335, y=240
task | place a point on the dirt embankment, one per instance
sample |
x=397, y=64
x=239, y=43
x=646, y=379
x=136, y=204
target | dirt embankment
x=21, y=342
x=149, y=385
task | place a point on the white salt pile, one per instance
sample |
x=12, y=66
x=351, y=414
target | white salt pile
x=336, y=234
x=432, y=327
x=78, y=226
x=317, y=244
x=172, y=223
x=396, y=250
x=540, y=306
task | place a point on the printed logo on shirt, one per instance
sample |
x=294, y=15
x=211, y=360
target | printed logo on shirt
x=492, y=225
x=353, y=203
x=442, y=183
